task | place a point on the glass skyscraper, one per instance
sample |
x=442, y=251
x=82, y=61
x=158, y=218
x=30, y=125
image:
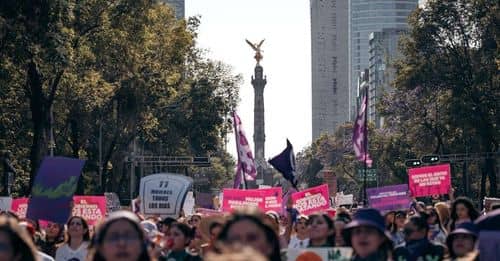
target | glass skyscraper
x=366, y=17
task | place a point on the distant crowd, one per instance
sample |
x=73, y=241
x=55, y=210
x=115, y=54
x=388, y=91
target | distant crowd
x=444, y=231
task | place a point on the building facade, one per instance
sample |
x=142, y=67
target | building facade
x=329, y=61
x=179, y=7
x=366, y=17
x=383, y=51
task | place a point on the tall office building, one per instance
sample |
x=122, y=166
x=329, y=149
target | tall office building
x=178, y=5
x=383, y=51
x=330, y=89
x=367, y=16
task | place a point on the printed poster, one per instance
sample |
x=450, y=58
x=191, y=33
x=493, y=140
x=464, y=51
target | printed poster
x=92, y=208
x=389, y=197
x=264, y=199
x=311, y=200
x=319, y=254
x=429, y=180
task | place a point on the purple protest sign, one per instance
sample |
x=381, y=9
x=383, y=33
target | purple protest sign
x=53, y=189
x=389, y=197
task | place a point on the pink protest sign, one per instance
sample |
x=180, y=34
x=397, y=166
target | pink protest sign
x=92, y=208
x=311, y=200
x=20, y=206
x=430, y=180
x=264, y=199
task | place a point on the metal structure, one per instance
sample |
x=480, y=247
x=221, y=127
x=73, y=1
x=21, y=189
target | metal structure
x=143, y=165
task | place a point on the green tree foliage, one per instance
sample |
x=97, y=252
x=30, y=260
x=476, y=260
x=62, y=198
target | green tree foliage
x=447, y=83
x=122, y=70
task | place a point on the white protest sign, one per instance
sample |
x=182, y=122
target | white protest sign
x=341, y=199
x=188, y=206
x=5, y=203
x=163, y=194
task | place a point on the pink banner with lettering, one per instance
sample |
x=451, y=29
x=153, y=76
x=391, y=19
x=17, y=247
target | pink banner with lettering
x=264, y=199
x=429, y=180
x=20, y=206
x=92, y=208
x=311, y=200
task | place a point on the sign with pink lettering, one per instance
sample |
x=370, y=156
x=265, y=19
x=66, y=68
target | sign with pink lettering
x=92, y=208
x=264, y=199
x=20, y=206
x=429, y=180
x=311, y=200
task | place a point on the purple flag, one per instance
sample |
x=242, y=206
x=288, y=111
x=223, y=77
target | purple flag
x=285, y=164
x=359, y=136
x=53, y=189
x=246, y=163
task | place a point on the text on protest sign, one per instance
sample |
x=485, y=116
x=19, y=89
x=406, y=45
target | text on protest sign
x=389, y=197
x=429, y=180
x=92, y=208
x=163, y=194
x=311, y=200
x=264, y=199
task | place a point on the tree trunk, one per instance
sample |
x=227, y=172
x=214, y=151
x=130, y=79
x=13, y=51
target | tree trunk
x=482, y=193
x=40, y=119
x=492, y=176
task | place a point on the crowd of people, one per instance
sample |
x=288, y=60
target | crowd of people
x=444, y=231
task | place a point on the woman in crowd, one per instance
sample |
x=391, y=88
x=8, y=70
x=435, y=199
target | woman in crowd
x=248, y=229
x=300, y=239
x=120, y=237
x=461, y=242
x=443, y=211
x=321, y=231
x=76, y=241
x=398, y=223
x=177, y=240
x=389, y=219
x=15, y=243
x=462, y=210
x=341, y=221
x=437, y=233
x=54, y=235
x=367, y=236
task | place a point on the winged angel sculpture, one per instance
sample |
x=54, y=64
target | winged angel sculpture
x=256, y=47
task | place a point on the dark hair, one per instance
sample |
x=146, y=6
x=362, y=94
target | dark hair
x=86, y=235
x=22, y=245
x=473, y=213
x=168, y=221
x=438, y=219
x=102, y=230
x=420, y=221
x=394, y=227
x=213, y=225
x=271, y=236
x=186, y=230
x=330, y=240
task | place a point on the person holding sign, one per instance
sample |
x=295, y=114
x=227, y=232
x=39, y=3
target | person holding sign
x=367, y=236
x=77, y=241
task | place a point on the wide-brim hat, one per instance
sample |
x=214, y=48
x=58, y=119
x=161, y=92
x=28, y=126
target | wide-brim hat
x=369, y=217
x=467, y=228
x=207, y=221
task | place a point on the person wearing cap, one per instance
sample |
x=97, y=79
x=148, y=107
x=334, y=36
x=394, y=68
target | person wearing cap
x=417, y=245
x=301, y=237
x=461, y=242
x=367, y=236
x=120, y=237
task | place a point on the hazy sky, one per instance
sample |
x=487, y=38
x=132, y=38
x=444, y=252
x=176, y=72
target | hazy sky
x=285, y=26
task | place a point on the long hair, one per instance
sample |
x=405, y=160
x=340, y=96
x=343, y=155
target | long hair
x=438, y=219
x=473, y=213
x=186, y=230
x=22, y=245
x=330, y=240
x=85, y=225
x=271, y=236
x=98, y=239
x=444, y=213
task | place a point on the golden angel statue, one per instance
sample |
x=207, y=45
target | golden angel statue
x=256, y=47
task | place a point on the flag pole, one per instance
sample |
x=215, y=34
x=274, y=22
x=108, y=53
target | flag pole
x=366, y=148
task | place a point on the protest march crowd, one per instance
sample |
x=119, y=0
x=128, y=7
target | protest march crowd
x=446, y=230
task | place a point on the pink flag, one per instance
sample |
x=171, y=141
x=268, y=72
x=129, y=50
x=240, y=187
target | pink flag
x=359, y=136
x=246, y=163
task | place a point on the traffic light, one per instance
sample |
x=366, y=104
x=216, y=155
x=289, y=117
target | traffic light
x=430, y=158
x=413, y=163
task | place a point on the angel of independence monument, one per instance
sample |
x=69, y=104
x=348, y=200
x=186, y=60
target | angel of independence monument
x=264, y=176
